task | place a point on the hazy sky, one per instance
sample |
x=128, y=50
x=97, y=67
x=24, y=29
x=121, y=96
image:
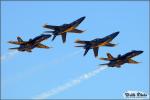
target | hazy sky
x=27, y=75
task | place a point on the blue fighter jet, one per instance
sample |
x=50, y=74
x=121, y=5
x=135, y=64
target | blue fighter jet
x=31, y=44
x=121, y=59
x=96, y=43
x=63, y=29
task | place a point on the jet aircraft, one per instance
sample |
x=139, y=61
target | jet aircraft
x=63, y=29
x=32, y=43
x=96, y=43
x=121, y=59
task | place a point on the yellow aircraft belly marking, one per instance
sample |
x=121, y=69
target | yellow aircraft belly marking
x=70, y=29
x=104, y=43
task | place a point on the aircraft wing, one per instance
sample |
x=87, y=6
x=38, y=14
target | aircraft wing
x=51, y=27
x=110, y=45
x=81, y=41
x=132, y=61
x=41, y=46
x=96, y=51
x=76, y=31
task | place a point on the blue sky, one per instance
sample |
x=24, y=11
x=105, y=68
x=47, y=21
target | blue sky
x=26, y=75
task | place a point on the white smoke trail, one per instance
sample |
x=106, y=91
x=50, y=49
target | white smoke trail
x=8, y=55
x=65, y=57
x=69, y=84
x=31, y=71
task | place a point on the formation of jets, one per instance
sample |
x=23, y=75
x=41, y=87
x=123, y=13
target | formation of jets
x=85, y=44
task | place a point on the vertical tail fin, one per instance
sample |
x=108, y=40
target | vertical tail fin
x=19, y=39
x=110, y=57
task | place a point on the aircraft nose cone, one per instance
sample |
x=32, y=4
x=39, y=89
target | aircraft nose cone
x=113, y=35
x=77, y=22
x=139, y=52
x=81, y=19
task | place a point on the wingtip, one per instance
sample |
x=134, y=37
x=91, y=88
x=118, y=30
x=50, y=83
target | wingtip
x=116, y=44
x=83, y=31
x=45, y=25
x=51, y=47
x=77, y=40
